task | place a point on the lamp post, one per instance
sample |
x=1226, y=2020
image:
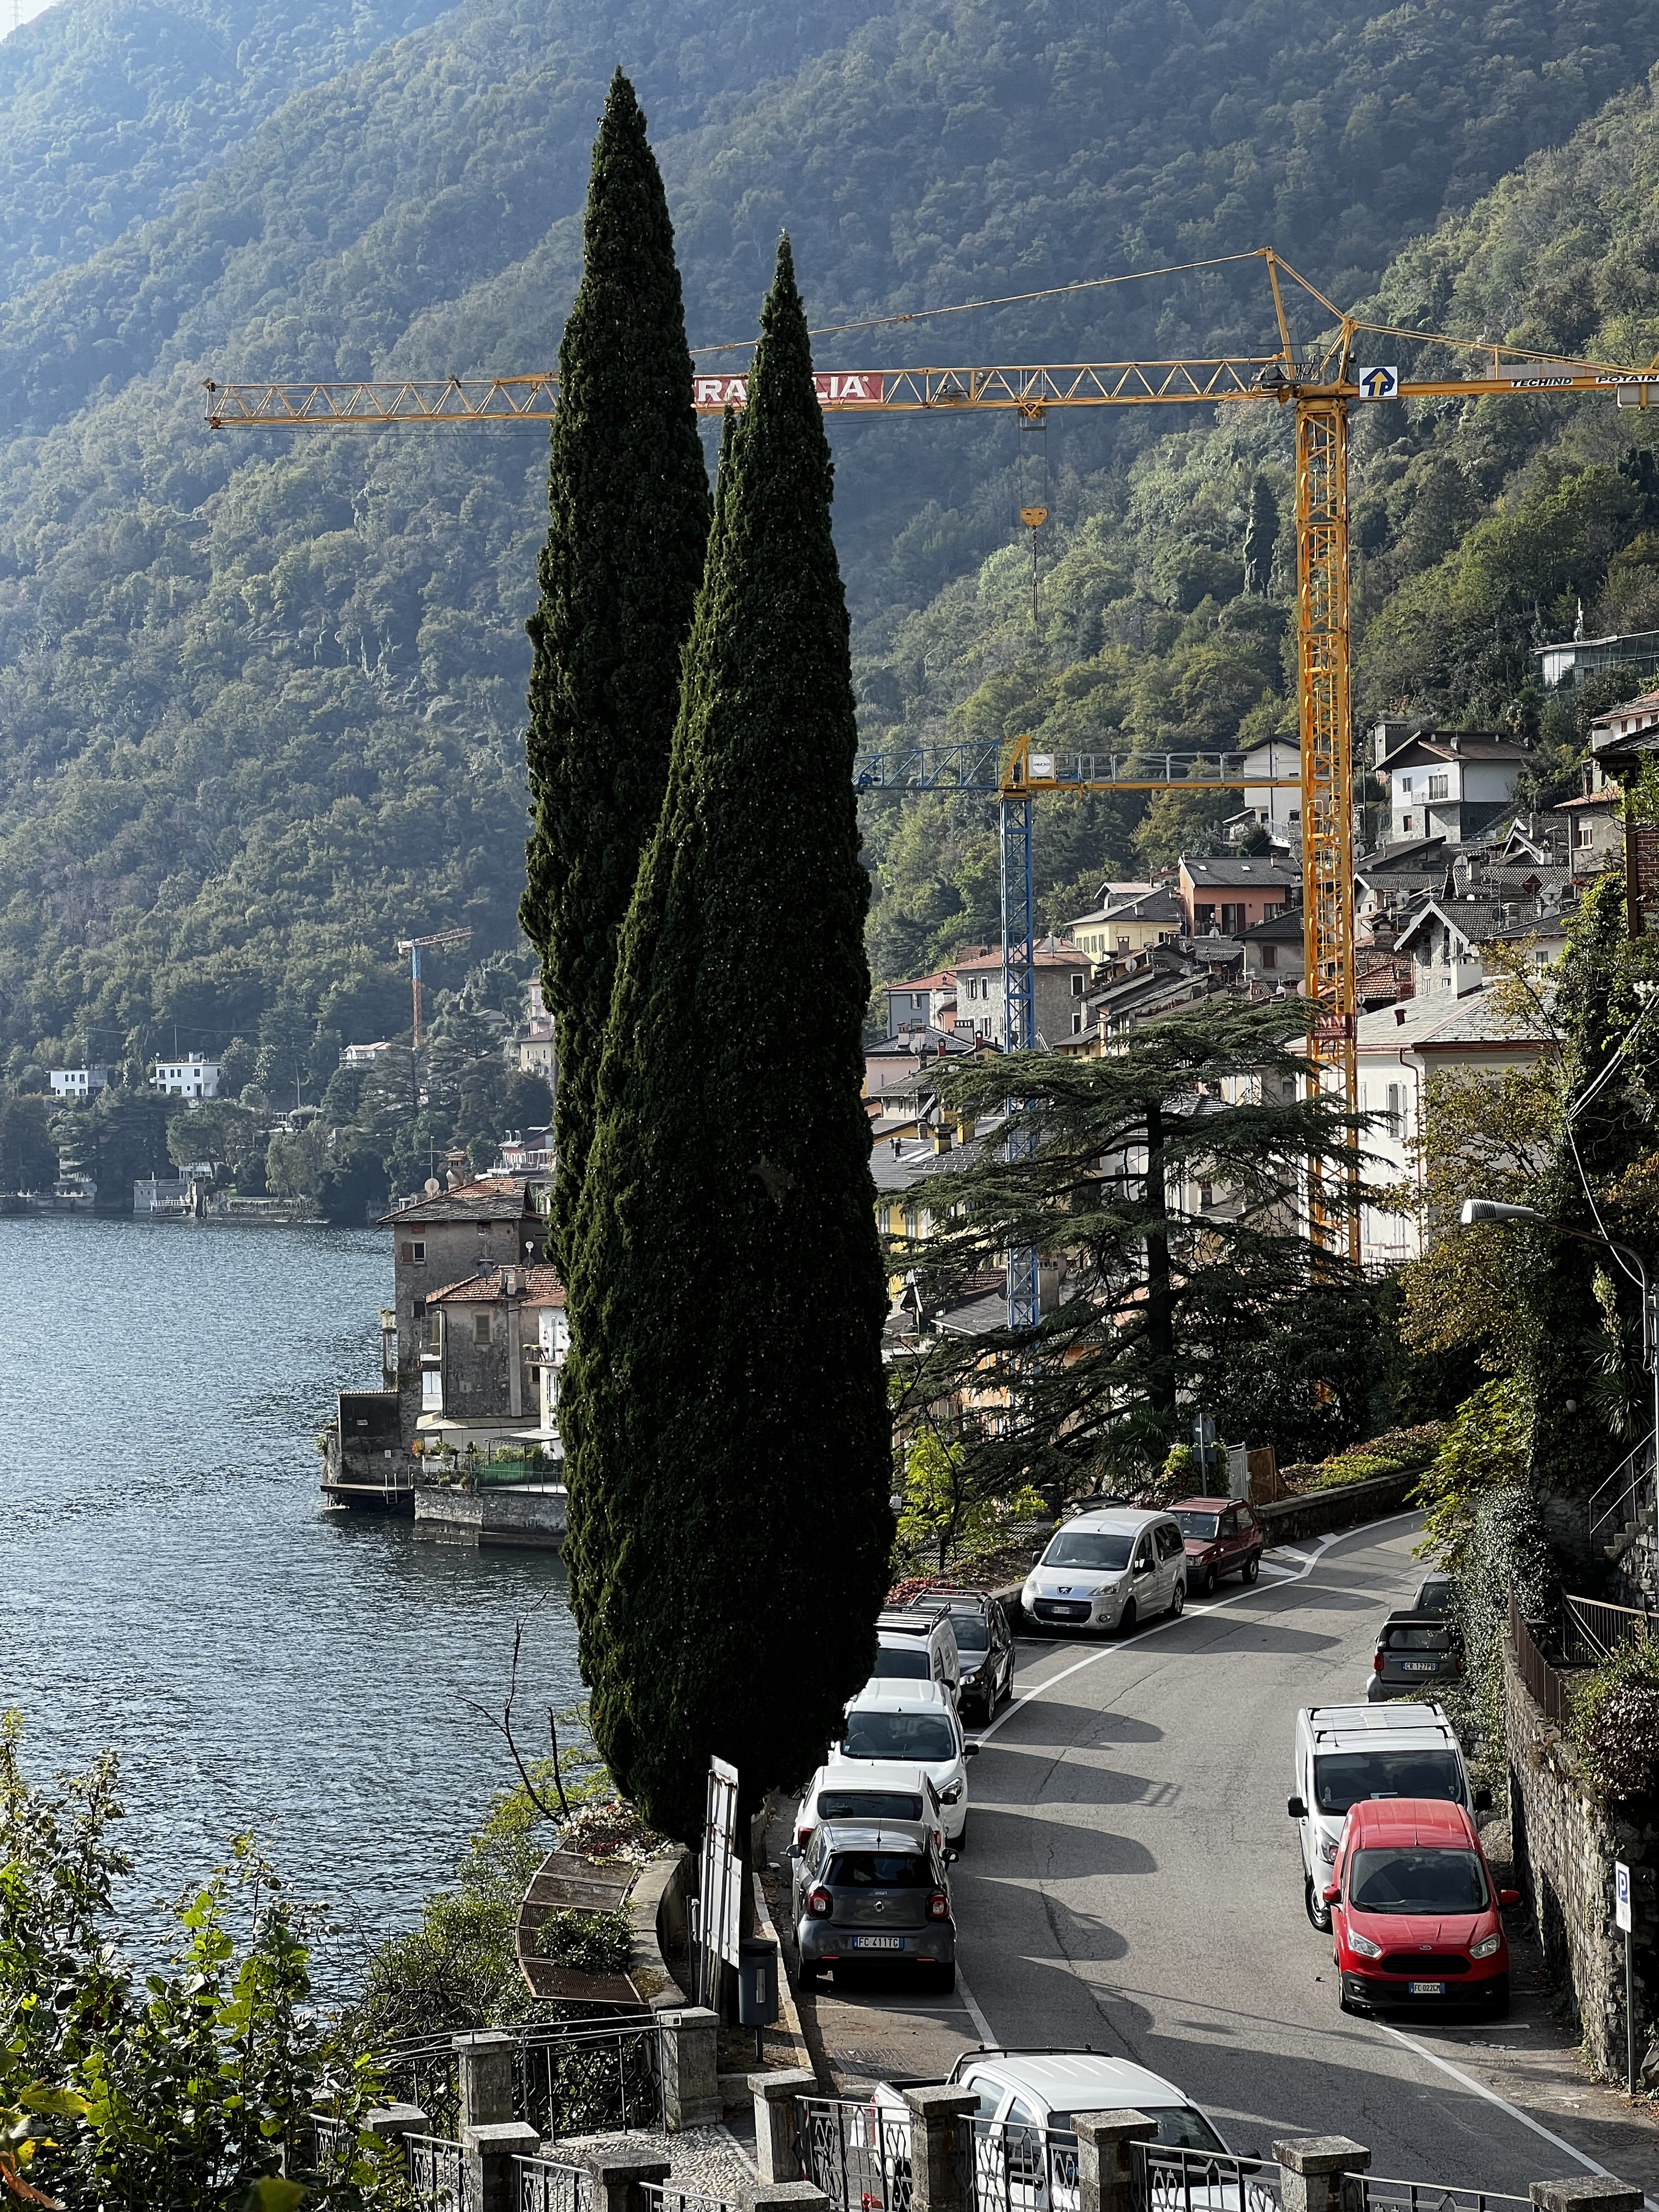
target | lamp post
x=1477, y=1210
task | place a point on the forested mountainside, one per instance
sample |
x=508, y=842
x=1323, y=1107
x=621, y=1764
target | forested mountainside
x=260, y=700
x=109, y=108
x=1476, y=530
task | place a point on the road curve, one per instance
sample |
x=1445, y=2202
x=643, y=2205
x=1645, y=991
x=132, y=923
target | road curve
x=1132, y=1883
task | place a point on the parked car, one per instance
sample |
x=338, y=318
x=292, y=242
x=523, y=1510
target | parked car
x=917, y=1644
x=911, y=1724
x=986, y=1644
x=1415, y=1651
x=1343, y=1754
x=1108, y=1570
x=1026, y=2146
x=1435, y=1595
x=1414, y=1911
x=903, y=1798
x=866, y=1892
x=1222, y=1536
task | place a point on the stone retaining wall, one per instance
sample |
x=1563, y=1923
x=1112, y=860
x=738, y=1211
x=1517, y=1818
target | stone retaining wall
x=1318, y=1512
x=1565, y=1846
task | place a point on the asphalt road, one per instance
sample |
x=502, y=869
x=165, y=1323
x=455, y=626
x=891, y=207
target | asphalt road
x=1132, y=1883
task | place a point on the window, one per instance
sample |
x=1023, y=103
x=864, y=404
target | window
x=1428, y=1881
x=1077, y=987
x=902, y=1663
x=1076, y=1024
x=432, y=1332
x=919, y=1738
x=1200, y=1527
x=1406, y=787
x=1343, y=1778
x=1088, y=1548
x=1270, y=955
x=481, y=1328
x=1169, y=1543
x=1405, y=825
x=1438, y=787
x=1584, y=833
x=413, y=1255
x=1396, y=1109
x=432, y=1390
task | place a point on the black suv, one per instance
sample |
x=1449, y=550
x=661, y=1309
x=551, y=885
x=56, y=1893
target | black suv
x=985, y=1643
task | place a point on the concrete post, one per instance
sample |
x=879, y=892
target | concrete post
x=1312, y=2168
x=691, y=2083
x=1586, y=2192
x=392, y=2122
x=785, y=2196
x=618, y=2178
x=488, y=2151
x=1105, y=2162
x=777, y=2155
x=485, y=2062
x=936, y=2125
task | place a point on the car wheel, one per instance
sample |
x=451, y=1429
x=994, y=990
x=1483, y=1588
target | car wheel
x=1126, y=1627
x=1177, y=1604
x=1252, y=1566
x=1206, y=1584
x=1318, y=1912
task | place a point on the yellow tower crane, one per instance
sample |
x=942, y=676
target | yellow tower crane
x=1321, y=380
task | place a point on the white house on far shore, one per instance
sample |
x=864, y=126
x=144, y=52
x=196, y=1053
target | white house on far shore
x=193, y=1076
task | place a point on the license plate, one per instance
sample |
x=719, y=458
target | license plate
x=1428, y=1988
x=880, y=1943
x=1419, y=1666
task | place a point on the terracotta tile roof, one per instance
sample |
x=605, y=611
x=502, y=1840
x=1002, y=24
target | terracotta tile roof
x=492, y=1198
x=536, y=1286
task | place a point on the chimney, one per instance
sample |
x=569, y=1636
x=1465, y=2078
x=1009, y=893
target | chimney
x=1399, y=1017
x=941, y=1139
x=965, y=1125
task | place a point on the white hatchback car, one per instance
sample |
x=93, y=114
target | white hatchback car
x=1108, y=1570
x=911, y=1724
x=900, y=1796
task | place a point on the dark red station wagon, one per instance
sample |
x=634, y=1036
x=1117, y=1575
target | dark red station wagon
x=1223, y=1537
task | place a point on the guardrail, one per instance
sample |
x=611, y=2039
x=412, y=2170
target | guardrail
x=1374, y=2194
x=1628, y=1501
x=1595, y=1629
x=1546, y=1687
x=1168, y=2179
x=541, y=2184
x=566, y=2080
x=856, y=2154
x=1019, y=2168
x=437, y=2174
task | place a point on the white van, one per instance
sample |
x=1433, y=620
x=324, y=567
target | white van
x=1346, y=1753
x=918, y=1644
x=1108, y=1570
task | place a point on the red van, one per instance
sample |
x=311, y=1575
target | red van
x=1413, y=1910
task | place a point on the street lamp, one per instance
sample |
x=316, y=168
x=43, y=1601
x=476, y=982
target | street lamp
x=1477, y=1210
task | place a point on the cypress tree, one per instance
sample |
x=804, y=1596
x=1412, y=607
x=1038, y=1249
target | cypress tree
x=627, y=496
x=728, y=1429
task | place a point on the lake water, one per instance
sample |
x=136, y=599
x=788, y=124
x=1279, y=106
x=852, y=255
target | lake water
x=172, y=1586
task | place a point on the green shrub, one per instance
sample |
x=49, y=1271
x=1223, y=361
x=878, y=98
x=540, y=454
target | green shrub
x=599, y=1941
x=1487, y=1450
x=1615, y=1723
x=1502, y=1548
x=1353, y=1466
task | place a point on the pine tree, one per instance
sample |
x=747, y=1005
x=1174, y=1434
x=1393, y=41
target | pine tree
x=725, y=1408
x=628, y=494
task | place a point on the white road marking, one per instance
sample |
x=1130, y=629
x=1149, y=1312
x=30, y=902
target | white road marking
x=1468, y=2081
x=974, y=2012
x=1192, y=1612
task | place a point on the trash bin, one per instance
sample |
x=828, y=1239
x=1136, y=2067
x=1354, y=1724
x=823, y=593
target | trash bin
x=757, y=1982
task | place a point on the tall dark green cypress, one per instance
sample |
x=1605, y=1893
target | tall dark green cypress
x=730, y=1454
x=628, y=494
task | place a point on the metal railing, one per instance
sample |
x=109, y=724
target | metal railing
x=663, y=2197
x=1629, y=1499
x=589, y=2081
x=541, y=2184
x=1370, y=2192
x=1593, y=1630
x=1546, y=1689
x=858, y=2154
x=1017, y=2168
x=437, y=2174
x=1166, y=2179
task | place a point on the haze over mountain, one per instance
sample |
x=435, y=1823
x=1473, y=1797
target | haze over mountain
x=260, y=700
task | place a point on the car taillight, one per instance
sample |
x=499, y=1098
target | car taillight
x=803, y=1836
x=820, y=1905
x=1376, y=1664
x=939, y=1906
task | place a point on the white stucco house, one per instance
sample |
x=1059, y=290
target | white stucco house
x=1455, y=784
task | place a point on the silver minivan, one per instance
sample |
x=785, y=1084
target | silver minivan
x=1108, y=1570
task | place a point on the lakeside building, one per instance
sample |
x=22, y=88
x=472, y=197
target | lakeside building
x=488, y=1368
x=445, y=1237
x=192, y=1077
x=79, y=1082
x=365, y=1055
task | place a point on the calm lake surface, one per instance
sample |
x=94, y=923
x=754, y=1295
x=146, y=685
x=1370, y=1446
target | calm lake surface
x=173, y=1587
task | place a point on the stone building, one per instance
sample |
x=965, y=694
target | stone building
x=482, y=1352
x=450, y=1234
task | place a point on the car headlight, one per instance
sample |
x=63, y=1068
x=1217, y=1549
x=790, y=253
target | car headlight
x=1485, y=1946
x=1327, y=1849
x=952, y=1795
x=1365, y=1945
